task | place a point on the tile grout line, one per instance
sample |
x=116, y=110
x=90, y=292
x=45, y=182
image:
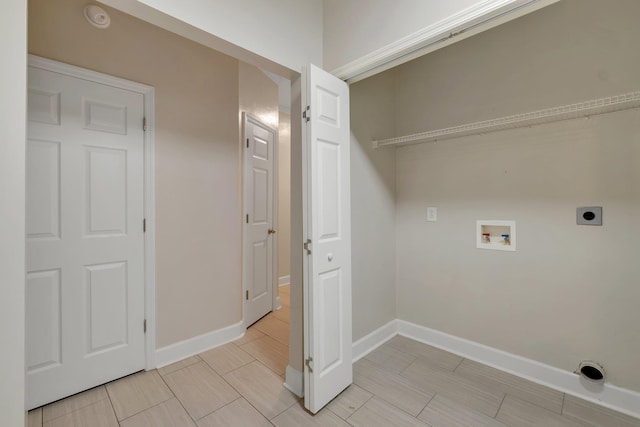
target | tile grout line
x=239, y=367
x=458, y=365
x=389, y=403
x=243, y=397
x=283, y=411
x=131, y=375
x=150, y=407
x=181, y=367
x=425, y=406
x=174, y=395
x=240, y=345
x=265, y=365
x=500, y=407
x=110, y=404
x=363, y=403
x=234, y=369
x=329, y=409
x=257, y=410
x=361, y=406
x=259, y=360
x=508, y=388
x=216, y=410
x=77, y=409
x=265, y=334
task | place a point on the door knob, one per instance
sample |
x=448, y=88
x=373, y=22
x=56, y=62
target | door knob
x=272, y=231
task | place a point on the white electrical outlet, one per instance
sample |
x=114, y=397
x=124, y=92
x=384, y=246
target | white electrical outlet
x=432, y=214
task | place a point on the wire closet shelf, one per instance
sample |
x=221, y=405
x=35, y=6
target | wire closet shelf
x=566, y=112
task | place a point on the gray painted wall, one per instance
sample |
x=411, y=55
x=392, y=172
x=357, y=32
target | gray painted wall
x=569, y=292
x=373, y=249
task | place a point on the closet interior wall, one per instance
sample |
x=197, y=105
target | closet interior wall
x=569, y=292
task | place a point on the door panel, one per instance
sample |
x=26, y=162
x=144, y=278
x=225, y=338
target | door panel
x=85, y=243
x=43, y=106
x=329, y=189
x=260, y=280
x=260, y=196
x=104, y=117
x=329, y=298
x=258, y=199
x=43, y=159
x=106, y=306
x=327, y=276
x=106, y=191
x=43, y=334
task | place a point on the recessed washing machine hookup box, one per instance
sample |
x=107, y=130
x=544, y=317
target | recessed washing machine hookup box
x=496, y=234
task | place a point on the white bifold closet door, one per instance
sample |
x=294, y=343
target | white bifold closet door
x=327, y=267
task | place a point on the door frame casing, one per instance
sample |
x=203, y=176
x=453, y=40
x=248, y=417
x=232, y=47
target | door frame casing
x=148, y=93
x=247, y=117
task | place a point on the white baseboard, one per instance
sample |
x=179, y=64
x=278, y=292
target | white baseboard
x=187, y=348
x=375, y=339
x=284, y=280
x=278, y=303
x=610, y=396
x=294, y=381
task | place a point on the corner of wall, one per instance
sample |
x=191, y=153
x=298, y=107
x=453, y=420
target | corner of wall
x=13, y=48
x=192, y=346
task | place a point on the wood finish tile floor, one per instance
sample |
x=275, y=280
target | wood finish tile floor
x=401, y=383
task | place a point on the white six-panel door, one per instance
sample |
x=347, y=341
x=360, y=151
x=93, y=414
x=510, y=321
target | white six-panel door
x=85, y=242
x=258, y=228
x=327, y=276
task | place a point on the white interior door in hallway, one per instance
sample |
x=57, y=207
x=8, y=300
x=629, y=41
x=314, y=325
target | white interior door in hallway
x=327, y=227
x=85, y=284
x=259, y=233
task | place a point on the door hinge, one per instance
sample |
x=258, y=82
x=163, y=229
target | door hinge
x=144, y=327
x=246, y=295
x=306, y=114
x=307, y=246
x=247, y=219
x=247, y=142
x=309, y=363
x=144, y=124
x=144, y=225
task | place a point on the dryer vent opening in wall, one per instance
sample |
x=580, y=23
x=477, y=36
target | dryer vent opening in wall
x=591, y=371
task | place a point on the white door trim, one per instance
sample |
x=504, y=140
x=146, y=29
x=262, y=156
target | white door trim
x=148, y=93
x=275, y=302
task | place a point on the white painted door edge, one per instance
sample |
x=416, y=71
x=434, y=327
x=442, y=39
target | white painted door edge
x=294, y=381
x=149, y=181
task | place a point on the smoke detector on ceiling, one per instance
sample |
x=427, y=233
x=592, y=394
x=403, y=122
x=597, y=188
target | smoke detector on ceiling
x=97, y=16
